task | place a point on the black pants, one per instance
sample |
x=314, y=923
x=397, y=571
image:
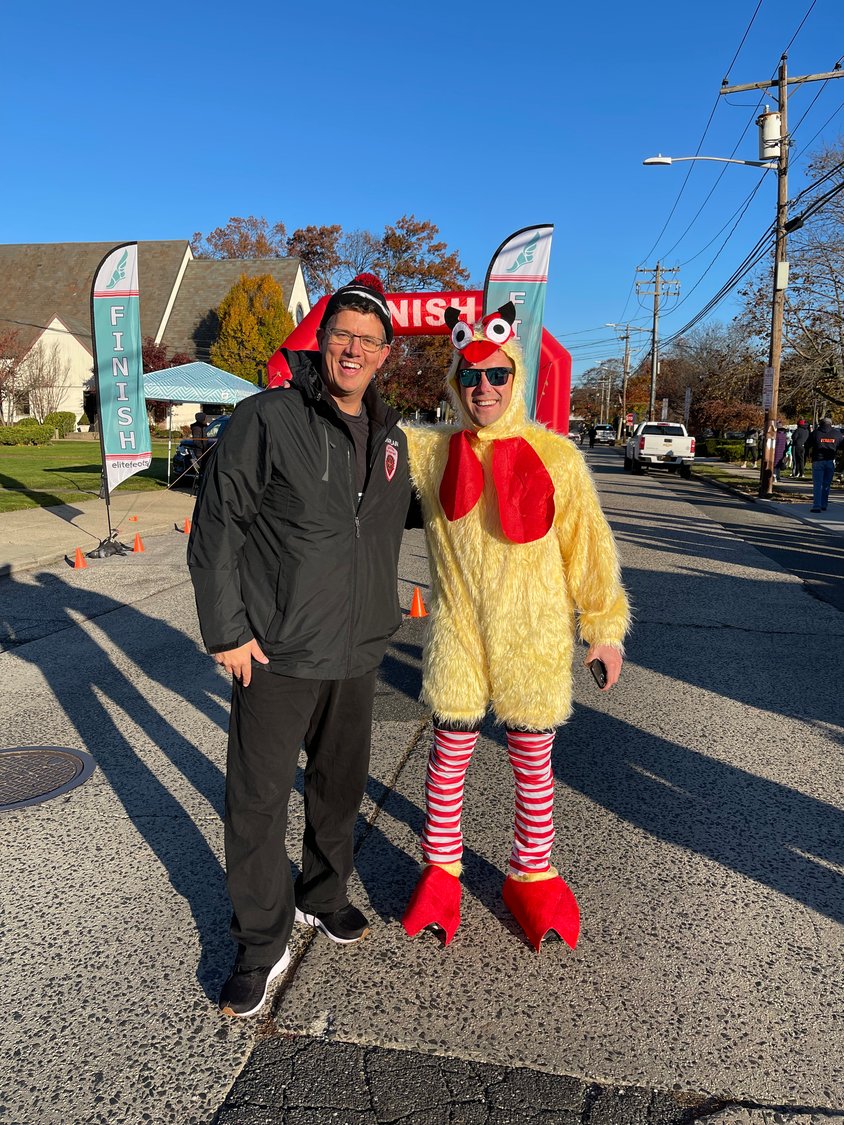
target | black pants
x=270, y=720
x=798, y=461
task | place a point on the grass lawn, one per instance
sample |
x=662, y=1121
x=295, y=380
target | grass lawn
x=749, y=485
x=65, y=472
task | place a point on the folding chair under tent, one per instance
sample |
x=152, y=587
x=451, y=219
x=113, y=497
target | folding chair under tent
x=194, y=382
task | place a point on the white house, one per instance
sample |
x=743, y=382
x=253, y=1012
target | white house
x=45, y=298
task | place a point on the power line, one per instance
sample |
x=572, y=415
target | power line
x=697, y=152
x=761, y=248
x=800, y=26
x=834, y=113
x=721, y=247
x=742, y=207
x=750, y=262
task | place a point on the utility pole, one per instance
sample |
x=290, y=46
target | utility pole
x=622, y=422
x=625, y=375
x=661, y=286
x=777, y=146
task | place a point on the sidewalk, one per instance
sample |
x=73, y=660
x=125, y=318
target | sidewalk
x=40, y=536
x=794, y=497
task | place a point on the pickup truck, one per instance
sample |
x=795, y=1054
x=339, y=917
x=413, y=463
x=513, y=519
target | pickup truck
x=660, y=445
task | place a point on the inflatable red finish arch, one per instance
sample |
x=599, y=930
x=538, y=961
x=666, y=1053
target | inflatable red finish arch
x=421, y=314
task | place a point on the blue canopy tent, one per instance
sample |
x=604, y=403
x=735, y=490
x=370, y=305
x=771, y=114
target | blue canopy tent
x=195, y=382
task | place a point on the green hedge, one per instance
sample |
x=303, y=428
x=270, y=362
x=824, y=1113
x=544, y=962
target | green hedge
x=62, y=420
x=730, y=450
x=28, y=432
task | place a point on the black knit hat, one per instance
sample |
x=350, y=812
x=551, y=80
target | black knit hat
x=367, y=287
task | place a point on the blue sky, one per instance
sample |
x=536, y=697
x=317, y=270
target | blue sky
x=482, y=119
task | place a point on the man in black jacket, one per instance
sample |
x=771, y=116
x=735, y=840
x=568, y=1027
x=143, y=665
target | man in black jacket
x=822, y=446
x=293, y=557
x=798, y=450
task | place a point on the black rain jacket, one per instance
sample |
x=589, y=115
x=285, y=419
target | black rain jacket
x=823, y=443
x=281, y=552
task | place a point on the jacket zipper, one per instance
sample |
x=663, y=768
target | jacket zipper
x=354, y=561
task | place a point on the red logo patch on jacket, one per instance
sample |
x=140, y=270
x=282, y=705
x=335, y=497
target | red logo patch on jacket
x=391, y=461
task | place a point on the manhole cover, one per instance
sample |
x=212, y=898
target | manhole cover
x=32, y=774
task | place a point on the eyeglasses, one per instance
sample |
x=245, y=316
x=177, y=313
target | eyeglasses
x=368, y=343
x=495, y=376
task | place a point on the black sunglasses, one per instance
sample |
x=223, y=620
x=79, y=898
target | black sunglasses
x=471, y=376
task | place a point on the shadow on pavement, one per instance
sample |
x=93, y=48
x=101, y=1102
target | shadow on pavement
x=95, y=692
x=769, y=832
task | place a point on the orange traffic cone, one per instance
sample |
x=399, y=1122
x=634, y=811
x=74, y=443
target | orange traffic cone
x=186, y=528
x=139, y=543
x=417, y=606
x=79, y=562
x=133, y=519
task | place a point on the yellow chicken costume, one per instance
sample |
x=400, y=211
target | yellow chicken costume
x=521, y=558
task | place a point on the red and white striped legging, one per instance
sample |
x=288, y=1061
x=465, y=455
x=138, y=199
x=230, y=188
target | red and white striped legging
x=530, y=759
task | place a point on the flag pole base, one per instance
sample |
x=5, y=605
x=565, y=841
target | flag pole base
x=110, y=546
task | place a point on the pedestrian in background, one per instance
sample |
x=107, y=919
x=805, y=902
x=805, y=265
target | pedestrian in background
x=199, y=432
x=751, y=447
x=780, y=448
x=592, y=435
x=822, y=446
x=294, y=557
x=798, y=450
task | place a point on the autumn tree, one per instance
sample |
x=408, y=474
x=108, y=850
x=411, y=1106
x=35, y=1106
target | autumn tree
x=411, y=258
x=247, y=238
x=254, y=322
x=597, y=393
x=43, y=377
x=154, y=356
x=11, y=357
x=359, y=250
x=414, y=376
x=318, y=249
x=407, y=256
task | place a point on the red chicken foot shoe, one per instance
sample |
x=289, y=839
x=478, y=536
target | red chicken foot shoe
x=435, y=902
x=542, y=905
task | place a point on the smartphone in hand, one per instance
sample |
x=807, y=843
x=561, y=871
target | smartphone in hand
x=599, y=672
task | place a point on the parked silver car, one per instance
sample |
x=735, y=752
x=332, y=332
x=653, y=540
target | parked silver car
x=604, y=434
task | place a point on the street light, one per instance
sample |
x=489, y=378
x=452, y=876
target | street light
x=660, y=159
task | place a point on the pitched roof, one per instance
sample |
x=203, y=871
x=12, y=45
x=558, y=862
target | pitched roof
x=192, y=326
x=41, y=280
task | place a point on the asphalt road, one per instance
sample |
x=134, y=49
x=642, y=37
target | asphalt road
x=700, y=821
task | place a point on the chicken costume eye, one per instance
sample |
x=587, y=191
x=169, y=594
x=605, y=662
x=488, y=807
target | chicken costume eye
x=497, y=330
x=461, y=335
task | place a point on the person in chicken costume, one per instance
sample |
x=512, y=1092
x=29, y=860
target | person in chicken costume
x=521, y=558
